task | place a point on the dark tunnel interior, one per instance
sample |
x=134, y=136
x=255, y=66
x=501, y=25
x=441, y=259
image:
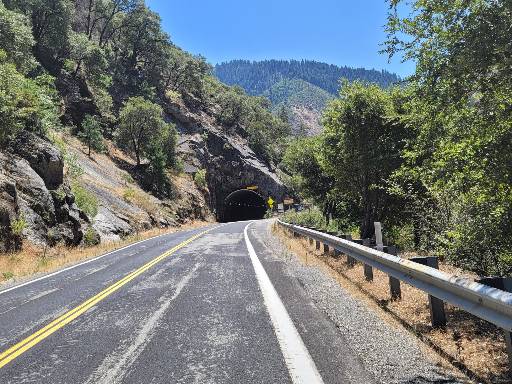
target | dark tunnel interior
x=244, y=204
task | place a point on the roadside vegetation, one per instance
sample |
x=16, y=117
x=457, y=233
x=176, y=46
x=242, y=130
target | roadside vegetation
x=33, y=259
x=106, y=69
x=430, y=159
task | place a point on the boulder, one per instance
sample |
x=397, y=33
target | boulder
x=8, y=213
x=49, y=216
x=42, y=156
x=110, y=226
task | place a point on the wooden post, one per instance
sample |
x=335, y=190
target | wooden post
x=378, y=236
x=437, y=313
x=505, y=284
x=508, y=341
x=350, y=260
x=394, y=284
x=368, y=270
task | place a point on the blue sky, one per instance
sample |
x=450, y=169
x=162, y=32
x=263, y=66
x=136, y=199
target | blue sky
x=334, y=31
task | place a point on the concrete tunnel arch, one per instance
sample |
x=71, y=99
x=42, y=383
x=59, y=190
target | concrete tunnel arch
x=244, y=204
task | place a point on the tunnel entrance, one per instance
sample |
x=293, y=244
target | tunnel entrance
x=243, y=205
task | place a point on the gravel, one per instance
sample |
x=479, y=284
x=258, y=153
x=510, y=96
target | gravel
x=388, y=352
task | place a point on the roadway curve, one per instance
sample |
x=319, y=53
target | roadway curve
x=189, y=307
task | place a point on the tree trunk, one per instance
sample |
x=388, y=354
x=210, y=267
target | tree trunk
x=367, y=228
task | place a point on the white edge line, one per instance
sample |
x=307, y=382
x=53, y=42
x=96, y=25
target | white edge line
x=82, y=263
x=300, y=364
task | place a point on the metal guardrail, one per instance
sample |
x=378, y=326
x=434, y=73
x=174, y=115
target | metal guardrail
x=491, y=304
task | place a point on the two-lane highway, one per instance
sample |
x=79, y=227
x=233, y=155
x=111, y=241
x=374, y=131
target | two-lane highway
x=191, y=307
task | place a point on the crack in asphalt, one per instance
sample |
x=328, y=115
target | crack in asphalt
x=115, y=366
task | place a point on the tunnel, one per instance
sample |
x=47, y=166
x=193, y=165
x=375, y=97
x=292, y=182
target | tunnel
x=244, y=204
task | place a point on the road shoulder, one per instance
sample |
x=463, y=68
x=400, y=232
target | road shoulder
x=342, y=323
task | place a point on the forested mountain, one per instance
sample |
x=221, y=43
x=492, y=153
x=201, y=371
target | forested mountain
x=302, y=87
x=258, y=76
x=300, y=102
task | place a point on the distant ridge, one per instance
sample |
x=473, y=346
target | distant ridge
x=258, y=76
x=302, y=87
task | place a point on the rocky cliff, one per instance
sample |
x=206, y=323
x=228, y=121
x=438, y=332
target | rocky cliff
x=34, y=200
x=38, y=205
x=229, y=162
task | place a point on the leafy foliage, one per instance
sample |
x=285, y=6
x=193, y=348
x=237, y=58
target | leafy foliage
x=84, y=199
x=91, y=134
x=24, y=103
x=16, y=39
x=200, y=178
x=143, y=131
x=346, y=170
x=362, y=148
x=457, y=170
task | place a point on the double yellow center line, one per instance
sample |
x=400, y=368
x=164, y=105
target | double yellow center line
x=24, y=345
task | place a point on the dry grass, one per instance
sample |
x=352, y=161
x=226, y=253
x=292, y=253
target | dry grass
x=474, y=346
x=140, y=199
x=33, y=260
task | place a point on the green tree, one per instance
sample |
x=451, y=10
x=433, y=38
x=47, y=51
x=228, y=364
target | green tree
x=460, y=158
x=142, y=128
x=308, y=177
x=16, y=39
x=91, y=134
x=51, y=24
x=361, y=150
x=24, y=103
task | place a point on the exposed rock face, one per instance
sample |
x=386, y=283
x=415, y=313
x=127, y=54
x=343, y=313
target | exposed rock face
x=126, y=208
x=42, y=156
x=33, y=198
x=228, y=160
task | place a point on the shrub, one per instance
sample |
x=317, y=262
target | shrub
x=310, y=217
x=85, y=200
x=127, y=178
x=200, y=178
x=129, y=194
x=74, y=170
x=18, y=225
x=90, y=237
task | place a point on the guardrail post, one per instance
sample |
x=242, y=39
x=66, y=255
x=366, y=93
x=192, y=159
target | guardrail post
x=378, y=236
x=394, y=284
x=437, y=314
x=368, y=270
x=505, y=284
x=508, y=340
x=317, y=245
x=350, y=260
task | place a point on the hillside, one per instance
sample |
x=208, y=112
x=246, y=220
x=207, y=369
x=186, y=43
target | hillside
x=107, y=128
x=302, y=87
x=301, y=101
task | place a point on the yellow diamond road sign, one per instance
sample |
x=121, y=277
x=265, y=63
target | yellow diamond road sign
x=270, y=202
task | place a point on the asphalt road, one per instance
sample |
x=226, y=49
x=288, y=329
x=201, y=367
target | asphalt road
x=189, y=307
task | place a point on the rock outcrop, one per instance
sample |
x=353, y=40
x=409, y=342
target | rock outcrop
x=229, y=162
x=34, y=201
